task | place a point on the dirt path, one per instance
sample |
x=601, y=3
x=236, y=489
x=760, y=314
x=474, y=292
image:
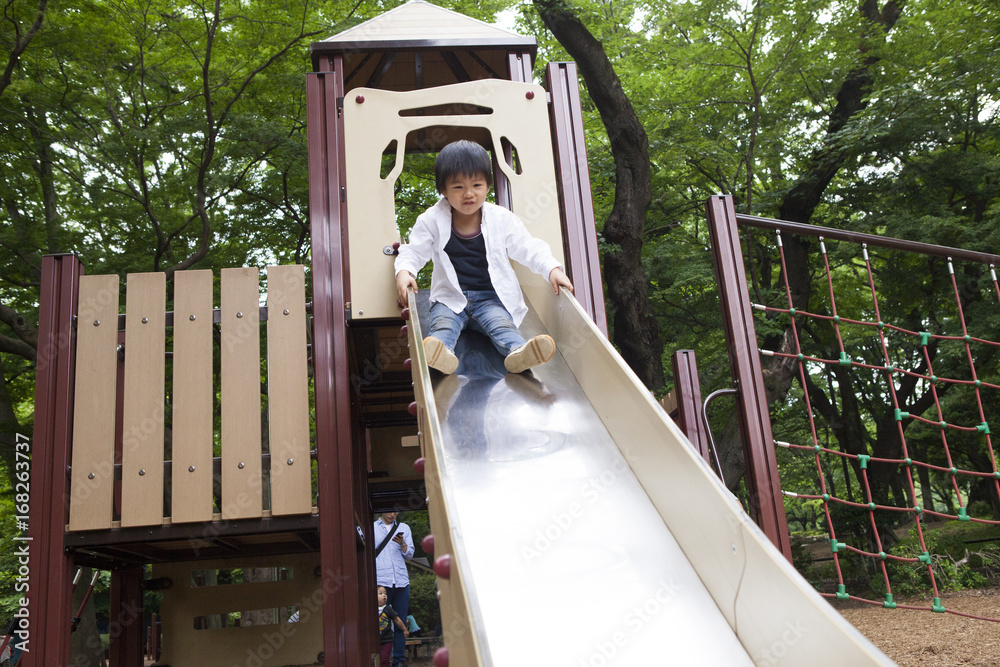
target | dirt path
x=930, y=639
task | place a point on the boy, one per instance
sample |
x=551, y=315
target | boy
x=387, y=616
x=473, y=284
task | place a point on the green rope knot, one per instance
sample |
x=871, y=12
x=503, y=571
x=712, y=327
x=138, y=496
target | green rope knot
x=983, y=428
x=996, y=475
x=968, y=338
x=943, y=424
x=924, y=558
x=900, y=415
x=818, y=448
x=792, y=311
x=937, y=606
x=836, y=547
x=925, y=337
x=918, y=510
x=979, y=383
x=963, y=514
x=889, y=604
x=907, y=462
x=934, y=379
x=836, y=318
x=871, y=506
x=883, y=555
x=845, y=360
x=826, y=496
x=953, y=470
x=881, y=324
x=842, y=592
x=863, y=459
x=800, y=356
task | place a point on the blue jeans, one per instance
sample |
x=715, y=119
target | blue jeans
x=485, y=313
x=399, y=598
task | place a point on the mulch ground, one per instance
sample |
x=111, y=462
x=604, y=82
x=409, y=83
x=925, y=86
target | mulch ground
x=933, y=639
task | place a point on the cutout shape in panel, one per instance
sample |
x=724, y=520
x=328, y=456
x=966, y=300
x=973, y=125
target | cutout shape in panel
x=144, y=406
x=93, y=474
x=372, y=120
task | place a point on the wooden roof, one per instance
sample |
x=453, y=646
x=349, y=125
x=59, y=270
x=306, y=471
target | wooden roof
x=421, y=23
x=418, y=45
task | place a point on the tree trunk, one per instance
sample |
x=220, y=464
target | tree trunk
x=636, y=332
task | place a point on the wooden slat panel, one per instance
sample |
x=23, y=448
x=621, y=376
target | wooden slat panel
x=241, y=435
x=93, y=476
x=142, y=441
x=288, y=391
x=191, y=484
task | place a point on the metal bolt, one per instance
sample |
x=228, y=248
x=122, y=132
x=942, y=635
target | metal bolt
x=145, y=320
x=191, y=318
x=90, y=476
x=285, y=312
x=241, y=465
x=530, y=94
x=360, y=99
x=239, y=314
x=361, y=312
x=290, y=461
x=141, y=472
x=190, y=468
x=97, y=323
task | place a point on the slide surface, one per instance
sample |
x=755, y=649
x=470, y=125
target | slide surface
x=566, y=558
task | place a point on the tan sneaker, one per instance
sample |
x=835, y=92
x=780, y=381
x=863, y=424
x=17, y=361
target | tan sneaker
x=536, y=351
x=439, y=356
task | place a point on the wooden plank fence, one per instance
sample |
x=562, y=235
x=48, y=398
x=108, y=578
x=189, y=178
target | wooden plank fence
x=169, y=441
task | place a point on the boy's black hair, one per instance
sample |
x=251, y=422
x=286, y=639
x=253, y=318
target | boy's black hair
x=462, y=158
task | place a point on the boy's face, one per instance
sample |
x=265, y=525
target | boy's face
x=466, y=194
x=382, y=597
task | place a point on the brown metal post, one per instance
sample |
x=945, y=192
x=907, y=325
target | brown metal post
x=741, y=337
x=49, y=596
x=127, y=625
x=573, y=180
x=689, y=403
x=344, y=642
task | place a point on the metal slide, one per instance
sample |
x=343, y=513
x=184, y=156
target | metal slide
x=565, y=557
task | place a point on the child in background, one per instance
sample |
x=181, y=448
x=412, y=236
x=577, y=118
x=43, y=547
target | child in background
x=473, y=284
x=387, y=616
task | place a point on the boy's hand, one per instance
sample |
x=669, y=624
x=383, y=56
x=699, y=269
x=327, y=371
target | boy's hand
x=403, y=281
x=559, y=279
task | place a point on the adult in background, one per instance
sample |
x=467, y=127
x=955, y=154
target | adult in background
x=394, y=548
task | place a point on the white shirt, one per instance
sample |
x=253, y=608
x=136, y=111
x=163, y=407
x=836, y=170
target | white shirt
x=505, y=236
x=390, y=566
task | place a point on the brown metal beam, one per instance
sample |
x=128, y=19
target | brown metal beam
x=49, y=595
x=573, y=181
x=688, y=388
x=755, y=421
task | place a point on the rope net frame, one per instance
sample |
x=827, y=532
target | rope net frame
x=924, y=396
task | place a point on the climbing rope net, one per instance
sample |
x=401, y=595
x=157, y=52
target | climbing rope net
x=921, y=384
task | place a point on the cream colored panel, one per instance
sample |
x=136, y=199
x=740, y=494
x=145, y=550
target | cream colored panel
x=93, y=477
x=192, y=444
x=144, y=408
x=288, y=391
x=265, y=646
x=372, y=122
x=241, y=433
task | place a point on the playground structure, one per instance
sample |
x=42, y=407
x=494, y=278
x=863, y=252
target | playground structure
x=661, y=530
